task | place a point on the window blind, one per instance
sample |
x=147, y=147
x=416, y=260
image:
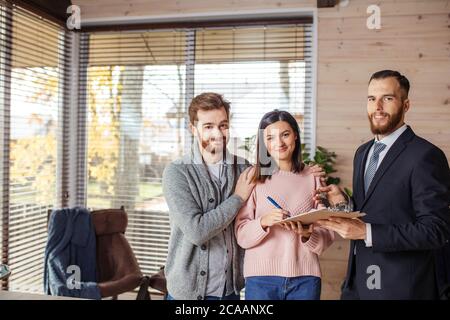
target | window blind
x=258, y=69
x=34, y=62
x=137, y=86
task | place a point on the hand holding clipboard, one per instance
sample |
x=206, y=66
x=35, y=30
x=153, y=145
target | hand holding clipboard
x=323, y=214
x=313, y=216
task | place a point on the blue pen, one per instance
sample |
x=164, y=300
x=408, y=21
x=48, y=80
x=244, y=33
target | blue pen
x=274, y=203
x=277, y=205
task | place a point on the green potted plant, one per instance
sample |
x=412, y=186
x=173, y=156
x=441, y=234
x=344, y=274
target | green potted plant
x=326, y=159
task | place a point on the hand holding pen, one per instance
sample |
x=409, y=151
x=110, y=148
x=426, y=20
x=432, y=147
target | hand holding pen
x=274, y=216
x=297, y=227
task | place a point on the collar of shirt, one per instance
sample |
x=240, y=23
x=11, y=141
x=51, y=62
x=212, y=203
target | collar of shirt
x=215, y=163
x=215, y=168
x=389, y=140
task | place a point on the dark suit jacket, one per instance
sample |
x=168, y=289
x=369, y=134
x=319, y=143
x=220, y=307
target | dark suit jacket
x=407, y=205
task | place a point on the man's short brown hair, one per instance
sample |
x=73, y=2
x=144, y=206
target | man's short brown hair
x=401, y=79
x=207, y=101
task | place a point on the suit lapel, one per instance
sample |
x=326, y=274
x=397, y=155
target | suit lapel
x=392, y=154
x=361, y=168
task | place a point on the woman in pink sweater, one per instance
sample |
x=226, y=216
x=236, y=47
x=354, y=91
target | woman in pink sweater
x=281, y=261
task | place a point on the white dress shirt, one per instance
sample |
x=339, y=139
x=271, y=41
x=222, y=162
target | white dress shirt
x=388, y=141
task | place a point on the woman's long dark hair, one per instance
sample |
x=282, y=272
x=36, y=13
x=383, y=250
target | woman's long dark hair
x=263, y=158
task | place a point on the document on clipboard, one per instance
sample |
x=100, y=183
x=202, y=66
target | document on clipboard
x=313, y=216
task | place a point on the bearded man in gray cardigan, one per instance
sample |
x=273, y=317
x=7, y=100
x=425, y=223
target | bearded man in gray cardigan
x=204, y=191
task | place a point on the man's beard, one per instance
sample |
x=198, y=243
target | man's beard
x=392, y=123
x=206, y=145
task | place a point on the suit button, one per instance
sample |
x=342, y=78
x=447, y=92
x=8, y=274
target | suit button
x=199, y=298
x=202, y=273
x=203, y=247
x=211, y=200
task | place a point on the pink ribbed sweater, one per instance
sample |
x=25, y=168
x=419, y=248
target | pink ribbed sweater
x=276, y=251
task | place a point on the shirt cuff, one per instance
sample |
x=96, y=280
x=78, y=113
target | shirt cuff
x=368, y=239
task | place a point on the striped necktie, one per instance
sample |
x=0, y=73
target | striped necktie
x=372, y=168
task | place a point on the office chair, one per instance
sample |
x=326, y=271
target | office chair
x=117, y=268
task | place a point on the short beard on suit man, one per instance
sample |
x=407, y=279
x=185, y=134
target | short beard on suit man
x=392, y=123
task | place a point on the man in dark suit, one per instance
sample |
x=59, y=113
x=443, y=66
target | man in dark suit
x=402, y=183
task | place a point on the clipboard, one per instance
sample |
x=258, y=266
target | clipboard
x=313, y=216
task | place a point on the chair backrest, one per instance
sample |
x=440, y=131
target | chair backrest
x=115, y=257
